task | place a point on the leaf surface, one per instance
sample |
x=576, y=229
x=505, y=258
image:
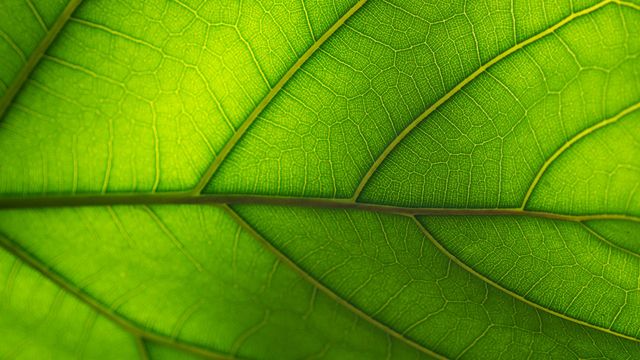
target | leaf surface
x=310, y=179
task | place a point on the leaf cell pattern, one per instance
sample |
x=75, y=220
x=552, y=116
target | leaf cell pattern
x=319, y=179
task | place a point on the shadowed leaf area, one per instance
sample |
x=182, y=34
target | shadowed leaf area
x=319, y=179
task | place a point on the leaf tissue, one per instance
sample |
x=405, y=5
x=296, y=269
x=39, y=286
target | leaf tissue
x=319, y=179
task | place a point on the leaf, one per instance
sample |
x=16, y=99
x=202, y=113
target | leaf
x=309, y=179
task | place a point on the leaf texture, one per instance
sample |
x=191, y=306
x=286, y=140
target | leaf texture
x=319, y=179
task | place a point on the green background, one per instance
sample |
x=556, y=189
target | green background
x=319, y=179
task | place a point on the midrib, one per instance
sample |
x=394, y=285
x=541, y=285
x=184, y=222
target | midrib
x=35, y=57
x=186, y=198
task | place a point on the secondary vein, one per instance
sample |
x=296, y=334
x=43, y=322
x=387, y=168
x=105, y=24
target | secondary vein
x=409, y=128
x=222, y=155
x=126, y=324
x=34, y=59
x=489, y=281
x=314, y=282
x=584, y=133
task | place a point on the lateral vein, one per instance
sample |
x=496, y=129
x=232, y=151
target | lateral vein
x=230, y=145
x=314, y=282
x=126, y=324
x=497, y=286
x=584, y=133
x=409, y=128
x=35, y=57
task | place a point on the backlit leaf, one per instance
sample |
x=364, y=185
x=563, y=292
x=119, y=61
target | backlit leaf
x=319, y=179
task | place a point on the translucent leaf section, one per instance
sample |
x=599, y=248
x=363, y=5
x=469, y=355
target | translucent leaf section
x=320, y=179
x=383, y=81
x=38, y=320
x=599, y=174
x=26, y=29
x=624, y=234
x=388, y=267
x=142, y=96
x=561, y=266
x=486, y=145
x=192, y=278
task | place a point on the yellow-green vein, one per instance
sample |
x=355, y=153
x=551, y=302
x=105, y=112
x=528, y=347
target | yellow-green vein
x=466, y=267
x=409, y=128
x=599, y=125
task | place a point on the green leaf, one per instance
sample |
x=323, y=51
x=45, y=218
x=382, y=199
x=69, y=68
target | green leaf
x=309, y=179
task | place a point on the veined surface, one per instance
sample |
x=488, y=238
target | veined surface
x=319, y=179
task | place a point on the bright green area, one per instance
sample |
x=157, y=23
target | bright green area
x=348, y=179
x=173, y=79
x=484, y=147
x=624, y=234
x=24, y=24
x=598, y=175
